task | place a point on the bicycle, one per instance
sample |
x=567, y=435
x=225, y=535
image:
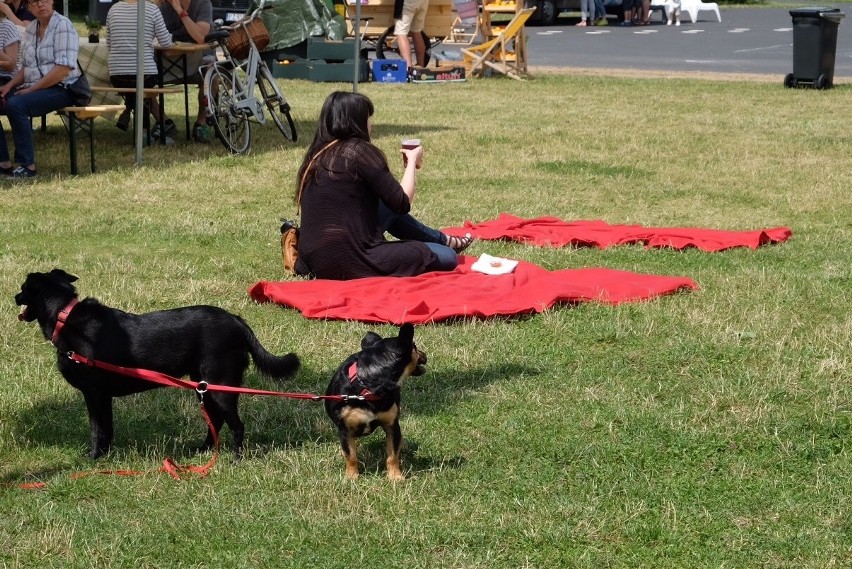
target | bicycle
x=231, y=81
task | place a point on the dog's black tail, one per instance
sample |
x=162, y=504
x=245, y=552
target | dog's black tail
x=278, y=367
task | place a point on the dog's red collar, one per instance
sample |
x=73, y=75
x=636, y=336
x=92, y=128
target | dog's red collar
x=352, y=372
x=62, y=317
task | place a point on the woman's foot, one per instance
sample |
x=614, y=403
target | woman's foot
x=459, y=244
x=581, y=24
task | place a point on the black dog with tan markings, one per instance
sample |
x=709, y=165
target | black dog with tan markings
x=374, y=374
x=204, y=342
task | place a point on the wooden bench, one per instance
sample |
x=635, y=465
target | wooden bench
x=147, y=93
x=82, y=119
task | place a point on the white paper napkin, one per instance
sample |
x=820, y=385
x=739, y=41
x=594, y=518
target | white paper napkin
x=493, y=265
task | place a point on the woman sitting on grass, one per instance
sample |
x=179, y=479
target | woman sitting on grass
x=349, y=198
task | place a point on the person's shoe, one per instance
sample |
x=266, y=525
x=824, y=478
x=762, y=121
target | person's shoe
x=22, y=172
x=171, y=128
x=602, y=22
x=626, y=24
x=201, y=133
x=459, y=244
x=6, y=171
x=123, y=121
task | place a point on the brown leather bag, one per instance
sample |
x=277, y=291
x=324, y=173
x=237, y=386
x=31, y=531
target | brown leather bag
x=289, y=246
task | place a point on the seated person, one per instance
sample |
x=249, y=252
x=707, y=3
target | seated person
x=121, y=44
x=191, y=21
x=39, y=86
x=10, y=43
x=17, y=11
x=349, y=198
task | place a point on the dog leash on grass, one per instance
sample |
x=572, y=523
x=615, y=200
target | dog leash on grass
x=169, y=466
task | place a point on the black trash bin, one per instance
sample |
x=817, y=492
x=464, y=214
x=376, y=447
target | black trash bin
x=814, y=46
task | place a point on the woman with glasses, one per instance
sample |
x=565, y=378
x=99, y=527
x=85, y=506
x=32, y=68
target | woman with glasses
x=48, y=66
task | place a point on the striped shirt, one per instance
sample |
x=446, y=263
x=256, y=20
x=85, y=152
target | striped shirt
x=9, y=35
x=59, y=46
x=122, y=38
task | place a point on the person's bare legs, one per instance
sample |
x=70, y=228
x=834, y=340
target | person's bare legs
x=419, y=49
x=404, y=45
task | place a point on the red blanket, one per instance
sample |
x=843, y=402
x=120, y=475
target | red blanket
x=554, y=232
x=438, y=296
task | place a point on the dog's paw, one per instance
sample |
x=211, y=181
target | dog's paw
x=95, y=453
x=352, y=474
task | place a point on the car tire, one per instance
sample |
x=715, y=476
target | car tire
x=545, y=13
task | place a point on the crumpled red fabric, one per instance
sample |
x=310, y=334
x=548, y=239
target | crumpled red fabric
x=463, y=293
x=554, y=232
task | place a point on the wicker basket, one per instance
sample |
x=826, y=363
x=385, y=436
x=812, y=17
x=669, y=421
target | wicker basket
x=238, y=42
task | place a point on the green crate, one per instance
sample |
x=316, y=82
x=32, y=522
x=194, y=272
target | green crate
x=320, y=71
x=331, y=51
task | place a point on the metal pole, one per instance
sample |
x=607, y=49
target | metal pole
x=357, y=30
x=140, y=76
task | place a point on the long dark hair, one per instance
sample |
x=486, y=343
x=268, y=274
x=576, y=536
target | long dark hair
x=343, y=117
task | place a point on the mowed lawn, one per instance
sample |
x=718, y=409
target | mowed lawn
x=709, y=428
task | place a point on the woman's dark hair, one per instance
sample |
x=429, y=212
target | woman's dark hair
x=343, y=117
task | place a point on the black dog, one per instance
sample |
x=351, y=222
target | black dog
x=204, y=342
x=374, y=373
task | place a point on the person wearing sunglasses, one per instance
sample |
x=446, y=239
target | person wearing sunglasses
x=40, y=86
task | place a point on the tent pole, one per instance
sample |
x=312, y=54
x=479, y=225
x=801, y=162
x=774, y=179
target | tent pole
x=357, y=58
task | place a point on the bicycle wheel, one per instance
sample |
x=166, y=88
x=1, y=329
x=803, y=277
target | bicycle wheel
x=231, y=125
x=387, y=47
x=278, y=106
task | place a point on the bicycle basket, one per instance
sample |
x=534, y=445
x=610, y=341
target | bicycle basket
x=238, y=42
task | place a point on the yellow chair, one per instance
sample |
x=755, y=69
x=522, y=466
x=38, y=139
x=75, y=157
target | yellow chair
x=496, y=54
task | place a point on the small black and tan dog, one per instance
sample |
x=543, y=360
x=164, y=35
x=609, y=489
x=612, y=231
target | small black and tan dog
x=374, y=373
x=204, y=342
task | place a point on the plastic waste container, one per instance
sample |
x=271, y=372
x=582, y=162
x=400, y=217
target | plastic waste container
x=814, y=46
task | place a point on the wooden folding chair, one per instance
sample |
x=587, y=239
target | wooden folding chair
x=497, y=54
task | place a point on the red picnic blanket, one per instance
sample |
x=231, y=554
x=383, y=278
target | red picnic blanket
x=554, y=232
x=438, y=296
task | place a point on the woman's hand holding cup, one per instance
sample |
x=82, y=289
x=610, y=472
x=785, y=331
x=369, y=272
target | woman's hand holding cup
x=411, y=150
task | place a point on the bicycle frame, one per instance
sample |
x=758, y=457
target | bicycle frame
x=231, y=86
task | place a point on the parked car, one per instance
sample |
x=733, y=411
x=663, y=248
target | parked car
x=548, y=10
x=229, y=10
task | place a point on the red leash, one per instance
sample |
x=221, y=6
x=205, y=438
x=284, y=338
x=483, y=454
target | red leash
x=203, y=387
x=169, y=465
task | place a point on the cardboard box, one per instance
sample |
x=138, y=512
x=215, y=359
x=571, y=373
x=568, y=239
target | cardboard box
x=444, y=74
x=390, y=71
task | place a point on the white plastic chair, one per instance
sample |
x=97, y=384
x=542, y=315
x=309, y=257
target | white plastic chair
x=692, y=7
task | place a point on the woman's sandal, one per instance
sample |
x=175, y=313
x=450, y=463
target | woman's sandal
x=459, y=244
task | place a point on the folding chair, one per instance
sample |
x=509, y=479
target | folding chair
x=495, y=53
x=465, y=28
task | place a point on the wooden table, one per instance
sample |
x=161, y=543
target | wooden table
x=174, y=63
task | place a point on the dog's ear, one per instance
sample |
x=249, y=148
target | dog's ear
x=406, y=335
x=370, y=339
x=62, y=275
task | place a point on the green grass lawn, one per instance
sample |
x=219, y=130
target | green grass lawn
x=703, y=429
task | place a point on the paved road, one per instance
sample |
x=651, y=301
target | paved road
x=748, y=40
